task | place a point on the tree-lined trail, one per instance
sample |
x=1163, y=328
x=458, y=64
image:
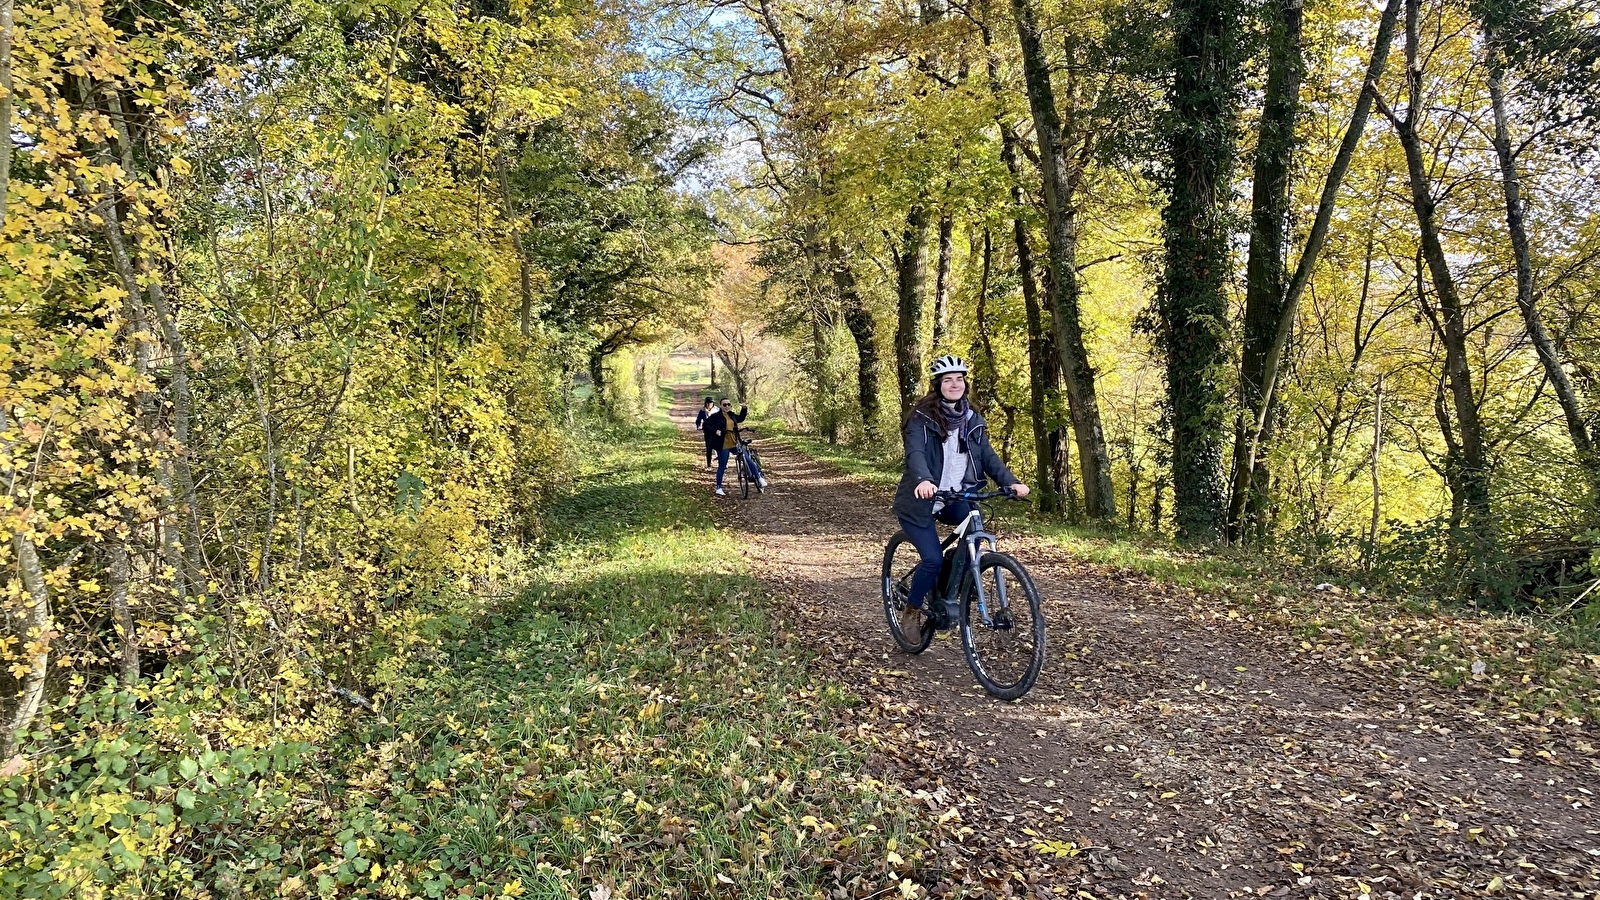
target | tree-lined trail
x=344, y=551
x=1176, y=754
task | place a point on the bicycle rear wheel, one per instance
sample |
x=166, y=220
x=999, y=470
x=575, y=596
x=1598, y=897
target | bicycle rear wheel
x=1005, y=640
x=900, y=562
x=744, y=482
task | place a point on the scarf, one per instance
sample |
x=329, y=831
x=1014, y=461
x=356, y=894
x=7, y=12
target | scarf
x=957, y=418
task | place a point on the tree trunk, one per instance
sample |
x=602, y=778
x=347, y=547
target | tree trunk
x=1193, y=300
x=119, y=579
x=1043, y=380
x=1044, y=372
x=8, y=31
x=911, y=278
x=989, y=372
x=1269, y=226
x=261, y=391
x=169, y=536
x=1044, y=387
x=1452, y=447
x=597, y=375
x=738, y=373
x=1259, y=418
x=1061, y=471
x=525, y=314
x=180, y=451
x=1133, y=496
x=182, y=402
x=941, y=284
x=1060, y=184
x=1474, y=471
x=1543, y=346
x=858, y=319
x=1377, y=493
x=28, y=622
x=33, y=631
x=137, y=328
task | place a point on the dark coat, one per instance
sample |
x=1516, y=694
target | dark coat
x=720, y=432
x=700, y=419
x=924, y=440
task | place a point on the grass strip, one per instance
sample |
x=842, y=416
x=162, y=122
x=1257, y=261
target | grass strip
x=637, y=723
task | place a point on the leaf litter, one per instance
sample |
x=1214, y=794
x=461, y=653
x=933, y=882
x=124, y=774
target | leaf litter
x=1179, y=744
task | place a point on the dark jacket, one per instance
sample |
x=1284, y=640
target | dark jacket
x=720, y=432
x=700, y=419
x=924, y=440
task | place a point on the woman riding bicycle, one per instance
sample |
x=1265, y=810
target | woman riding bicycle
x=947, y=449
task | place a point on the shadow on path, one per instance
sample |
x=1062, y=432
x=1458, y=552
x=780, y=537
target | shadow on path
x=1178, y=756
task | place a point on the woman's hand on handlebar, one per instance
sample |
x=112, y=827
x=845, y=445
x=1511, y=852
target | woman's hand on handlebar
x=1019, y=490
x=926, y=490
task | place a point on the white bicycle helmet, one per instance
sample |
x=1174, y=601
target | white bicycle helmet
x=946, y=364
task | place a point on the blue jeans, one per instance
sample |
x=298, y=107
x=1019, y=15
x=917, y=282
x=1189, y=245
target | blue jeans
x=926, y=539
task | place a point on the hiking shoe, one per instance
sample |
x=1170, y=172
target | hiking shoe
x=721, y=492
x=911, y=622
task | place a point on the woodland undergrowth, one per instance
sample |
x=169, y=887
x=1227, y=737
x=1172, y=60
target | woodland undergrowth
x=635, y=722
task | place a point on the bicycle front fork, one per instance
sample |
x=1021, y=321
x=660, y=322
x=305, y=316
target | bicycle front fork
x=974, y=553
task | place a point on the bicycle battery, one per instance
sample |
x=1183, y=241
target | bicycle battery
x=951, y=578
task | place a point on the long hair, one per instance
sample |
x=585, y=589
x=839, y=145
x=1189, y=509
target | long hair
x=928, y=405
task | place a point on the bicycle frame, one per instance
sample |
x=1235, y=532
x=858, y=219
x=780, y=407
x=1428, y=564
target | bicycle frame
x=971, y=533
x=992, y=634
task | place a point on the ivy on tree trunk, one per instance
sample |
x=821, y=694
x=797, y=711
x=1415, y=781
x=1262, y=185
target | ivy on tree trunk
x=1193, y=301
x=1264, y=269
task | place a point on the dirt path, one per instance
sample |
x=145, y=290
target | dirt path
x=1172, y=756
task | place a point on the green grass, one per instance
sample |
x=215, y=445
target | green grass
x=637, y=718
x=878, y=469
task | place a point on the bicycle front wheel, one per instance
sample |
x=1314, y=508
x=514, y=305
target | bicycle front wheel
x=1004, y=637
x=744, y=482
x=900, y=562
x=755, y=466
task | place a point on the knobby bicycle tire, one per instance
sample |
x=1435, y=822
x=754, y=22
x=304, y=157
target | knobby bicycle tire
x=754, y=461
x=1025, y=639
x=893, y=600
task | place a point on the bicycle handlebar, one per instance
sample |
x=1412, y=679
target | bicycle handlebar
x=975, y=496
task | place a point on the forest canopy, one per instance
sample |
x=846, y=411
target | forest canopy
x=1313, y=276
